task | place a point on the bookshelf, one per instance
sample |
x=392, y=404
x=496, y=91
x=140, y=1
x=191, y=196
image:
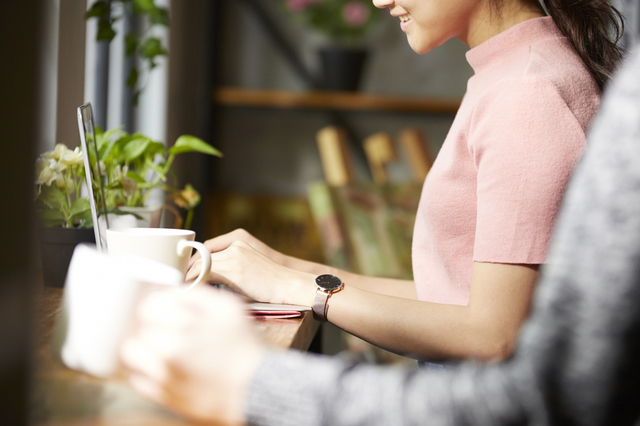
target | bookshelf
x=341, y=101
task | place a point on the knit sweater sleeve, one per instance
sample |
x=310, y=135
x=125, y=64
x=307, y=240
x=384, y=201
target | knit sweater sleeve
x=577, y=357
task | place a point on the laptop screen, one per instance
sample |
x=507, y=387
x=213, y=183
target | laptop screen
x=93, y=174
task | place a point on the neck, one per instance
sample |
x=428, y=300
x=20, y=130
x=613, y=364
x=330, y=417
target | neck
x=489, y=21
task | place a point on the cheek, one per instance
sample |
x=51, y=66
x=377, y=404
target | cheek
x=431, y=33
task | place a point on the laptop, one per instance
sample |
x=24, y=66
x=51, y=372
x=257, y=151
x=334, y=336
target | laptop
x=93, y=175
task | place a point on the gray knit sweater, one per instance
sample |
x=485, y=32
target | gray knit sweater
x=578, y=356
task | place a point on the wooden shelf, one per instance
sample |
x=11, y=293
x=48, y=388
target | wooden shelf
x=231, y=96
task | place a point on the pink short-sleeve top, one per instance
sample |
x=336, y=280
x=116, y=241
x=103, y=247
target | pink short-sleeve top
x=494, y=190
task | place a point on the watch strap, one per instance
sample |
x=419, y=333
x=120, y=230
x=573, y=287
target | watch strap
x=320, y=305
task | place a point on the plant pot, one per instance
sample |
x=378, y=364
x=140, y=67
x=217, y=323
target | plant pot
x=342, y=67
x=56, y=248
x=150, y=216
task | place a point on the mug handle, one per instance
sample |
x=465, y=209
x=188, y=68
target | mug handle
x=205, y=255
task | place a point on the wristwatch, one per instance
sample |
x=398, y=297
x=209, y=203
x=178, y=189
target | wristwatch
x=327, y=285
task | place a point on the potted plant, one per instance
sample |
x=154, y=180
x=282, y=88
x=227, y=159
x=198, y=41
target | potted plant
x=134, y=165
x=63, y=213
x=344, y=23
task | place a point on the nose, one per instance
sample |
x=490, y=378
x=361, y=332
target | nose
x=383, y=3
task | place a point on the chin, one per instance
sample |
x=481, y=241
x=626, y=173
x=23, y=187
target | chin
x=421, y=47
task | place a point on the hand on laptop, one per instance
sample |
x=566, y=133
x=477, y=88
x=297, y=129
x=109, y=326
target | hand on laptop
x=248, y=271
x=223, y=242
x=194, y=353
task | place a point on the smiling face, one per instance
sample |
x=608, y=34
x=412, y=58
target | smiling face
x=429, y=23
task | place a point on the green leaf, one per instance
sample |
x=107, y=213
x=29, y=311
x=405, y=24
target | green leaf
x=131, y=44
x=117, y=211
x=51, y=196
x=133, y=78
x=114, y=185
x=151, y=48
x=79, y=206
x=105, y=31
x=135, y=148
x=105, y=150
x=187, y=143
x=155, y=148
x=98, y=10
x=135, y=177
x=147, y=185
x=143, y=6
x=135, y=98
x=117, y=155
x=99, y=135
x=159, y=16
x=50, y=217
x=105, y=144
x=124, y=139
x=86, y=219
x=111, y=132
x=156, y=168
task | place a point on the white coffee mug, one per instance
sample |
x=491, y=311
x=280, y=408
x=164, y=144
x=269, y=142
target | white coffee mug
x=169, y=246
x=98, y=310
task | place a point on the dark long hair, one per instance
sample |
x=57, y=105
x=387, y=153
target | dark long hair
x=593, y=27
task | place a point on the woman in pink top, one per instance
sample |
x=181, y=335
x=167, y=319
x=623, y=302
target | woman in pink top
x=490, y=200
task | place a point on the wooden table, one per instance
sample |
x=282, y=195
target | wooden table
x=64, y=397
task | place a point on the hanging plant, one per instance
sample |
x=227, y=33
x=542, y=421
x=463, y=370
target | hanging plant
x=145, y=47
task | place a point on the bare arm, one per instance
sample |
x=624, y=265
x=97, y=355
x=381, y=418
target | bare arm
x=388, y=286
x=486, y=328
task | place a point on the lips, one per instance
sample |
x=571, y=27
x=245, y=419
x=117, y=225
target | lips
x=405, y=21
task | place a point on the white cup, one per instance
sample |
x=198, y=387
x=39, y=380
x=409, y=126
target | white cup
x=169, y=246
x=98, y=310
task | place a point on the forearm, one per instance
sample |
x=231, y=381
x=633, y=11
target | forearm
x=421, y=329
x=388, y=286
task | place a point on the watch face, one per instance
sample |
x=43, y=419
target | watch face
x=328, y=282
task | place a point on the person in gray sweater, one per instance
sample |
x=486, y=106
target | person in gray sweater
x=577, y=360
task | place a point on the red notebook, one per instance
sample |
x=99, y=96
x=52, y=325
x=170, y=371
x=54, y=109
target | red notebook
x=275, y=311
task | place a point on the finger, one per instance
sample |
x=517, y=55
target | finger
x=195, y=265
x=194, y=258
x=216, y=244
x=148, y=388
x=222, y=242
x=221, y=271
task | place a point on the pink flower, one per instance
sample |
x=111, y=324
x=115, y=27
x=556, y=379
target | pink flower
x=355, y=14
